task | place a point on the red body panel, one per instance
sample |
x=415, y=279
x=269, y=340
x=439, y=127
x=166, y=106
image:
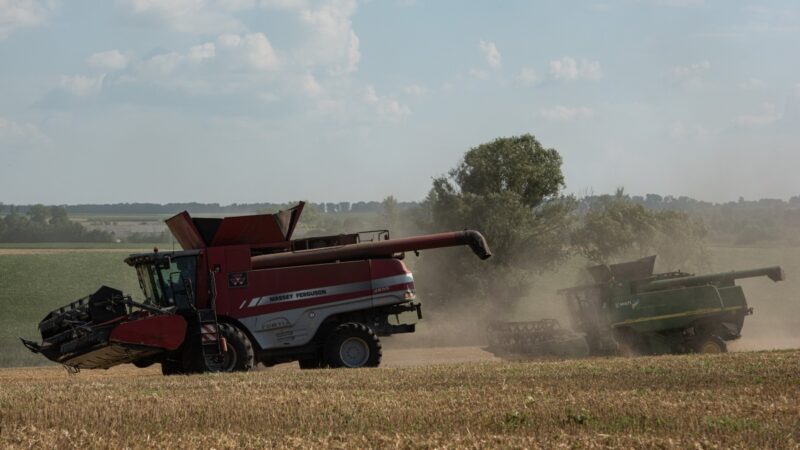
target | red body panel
x=164, y=331
x=295, y=287
x=251, y=230
x=182, y=227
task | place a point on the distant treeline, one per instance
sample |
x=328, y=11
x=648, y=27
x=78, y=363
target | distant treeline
x=209, y=208
x=46, y=224
x=741, y=222
x=650, y=201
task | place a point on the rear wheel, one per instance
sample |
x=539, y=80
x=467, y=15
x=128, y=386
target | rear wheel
x=353, y=345
x=710, y=344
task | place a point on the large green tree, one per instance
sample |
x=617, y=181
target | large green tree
x=510, y=190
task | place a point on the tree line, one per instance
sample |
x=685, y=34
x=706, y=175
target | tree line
x=46, y=224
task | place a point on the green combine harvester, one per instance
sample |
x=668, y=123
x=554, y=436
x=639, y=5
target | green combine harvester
x=629, y=310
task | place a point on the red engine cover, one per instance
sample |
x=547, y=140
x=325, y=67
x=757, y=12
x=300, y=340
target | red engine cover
x=164, y=331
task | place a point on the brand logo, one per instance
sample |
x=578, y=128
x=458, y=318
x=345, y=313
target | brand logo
x=237, y=280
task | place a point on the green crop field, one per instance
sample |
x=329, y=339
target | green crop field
x=36, y=282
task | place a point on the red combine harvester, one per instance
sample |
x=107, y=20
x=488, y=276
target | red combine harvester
x=243, y=292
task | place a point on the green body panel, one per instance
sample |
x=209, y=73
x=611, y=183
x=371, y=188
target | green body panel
x=657, y=313
x=651, y=312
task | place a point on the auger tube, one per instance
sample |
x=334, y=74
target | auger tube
x=473, y=239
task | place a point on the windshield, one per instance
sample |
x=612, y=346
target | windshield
x=169, y=282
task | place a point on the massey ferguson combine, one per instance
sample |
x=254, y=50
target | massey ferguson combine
x=243, y=292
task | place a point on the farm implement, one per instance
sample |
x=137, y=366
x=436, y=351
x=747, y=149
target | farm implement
x=630, y=310
x=243, y=292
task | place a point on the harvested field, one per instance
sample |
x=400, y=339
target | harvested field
x=741, y=400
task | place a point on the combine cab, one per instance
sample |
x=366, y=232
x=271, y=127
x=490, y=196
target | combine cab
x=630, y=310
x=243, y=292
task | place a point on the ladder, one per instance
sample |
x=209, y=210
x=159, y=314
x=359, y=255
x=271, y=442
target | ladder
x=211, y=341
x=209, y=336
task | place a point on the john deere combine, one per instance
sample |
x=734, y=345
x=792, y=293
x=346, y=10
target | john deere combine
x=629, y=310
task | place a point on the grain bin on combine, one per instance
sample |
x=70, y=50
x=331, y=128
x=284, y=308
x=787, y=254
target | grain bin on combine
x=630, y=310
x=243, y=292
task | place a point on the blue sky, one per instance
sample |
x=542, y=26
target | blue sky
x=332, y=100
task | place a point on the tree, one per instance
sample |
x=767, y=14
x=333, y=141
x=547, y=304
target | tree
x=615, y=228
x=58, y=215
x=38, y=214
x=510, y=190
x=390, y=211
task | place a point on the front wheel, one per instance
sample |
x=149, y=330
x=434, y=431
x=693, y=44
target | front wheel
x=239, y=355
x=353, y=345
x=710, y=344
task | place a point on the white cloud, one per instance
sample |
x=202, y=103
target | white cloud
x=691, y=70
x=491, y=53
x=751, y=84
x=479, y=74
x=110, y=60
x=160, y=65
x=268, y=97
x=253, y=50
x=568, y=68
x=82, y=86
x=12, y=132
x=415, y=90
x=385, y=106
x=691, y=75
x=680, y=3
x=681, y=130
x=331, y=39
x=769, y=114
x=188, y=16
x=567, y=113
x=202, y=51
x=16, y=14
x=196, y=69
x=529, y=77
x=311, y=87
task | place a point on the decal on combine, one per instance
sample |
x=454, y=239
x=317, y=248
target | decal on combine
x=376, y=286
x=208, y=333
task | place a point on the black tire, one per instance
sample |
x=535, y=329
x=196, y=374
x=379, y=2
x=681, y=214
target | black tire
x=353, y=345
x=240, y=356
x=710, y=344
x=171, y=367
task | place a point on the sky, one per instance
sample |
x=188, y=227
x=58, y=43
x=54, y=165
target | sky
x=237, y=101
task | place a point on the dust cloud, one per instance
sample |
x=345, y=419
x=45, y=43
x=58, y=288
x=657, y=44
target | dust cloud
x=775, y=322
x=458, y=333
